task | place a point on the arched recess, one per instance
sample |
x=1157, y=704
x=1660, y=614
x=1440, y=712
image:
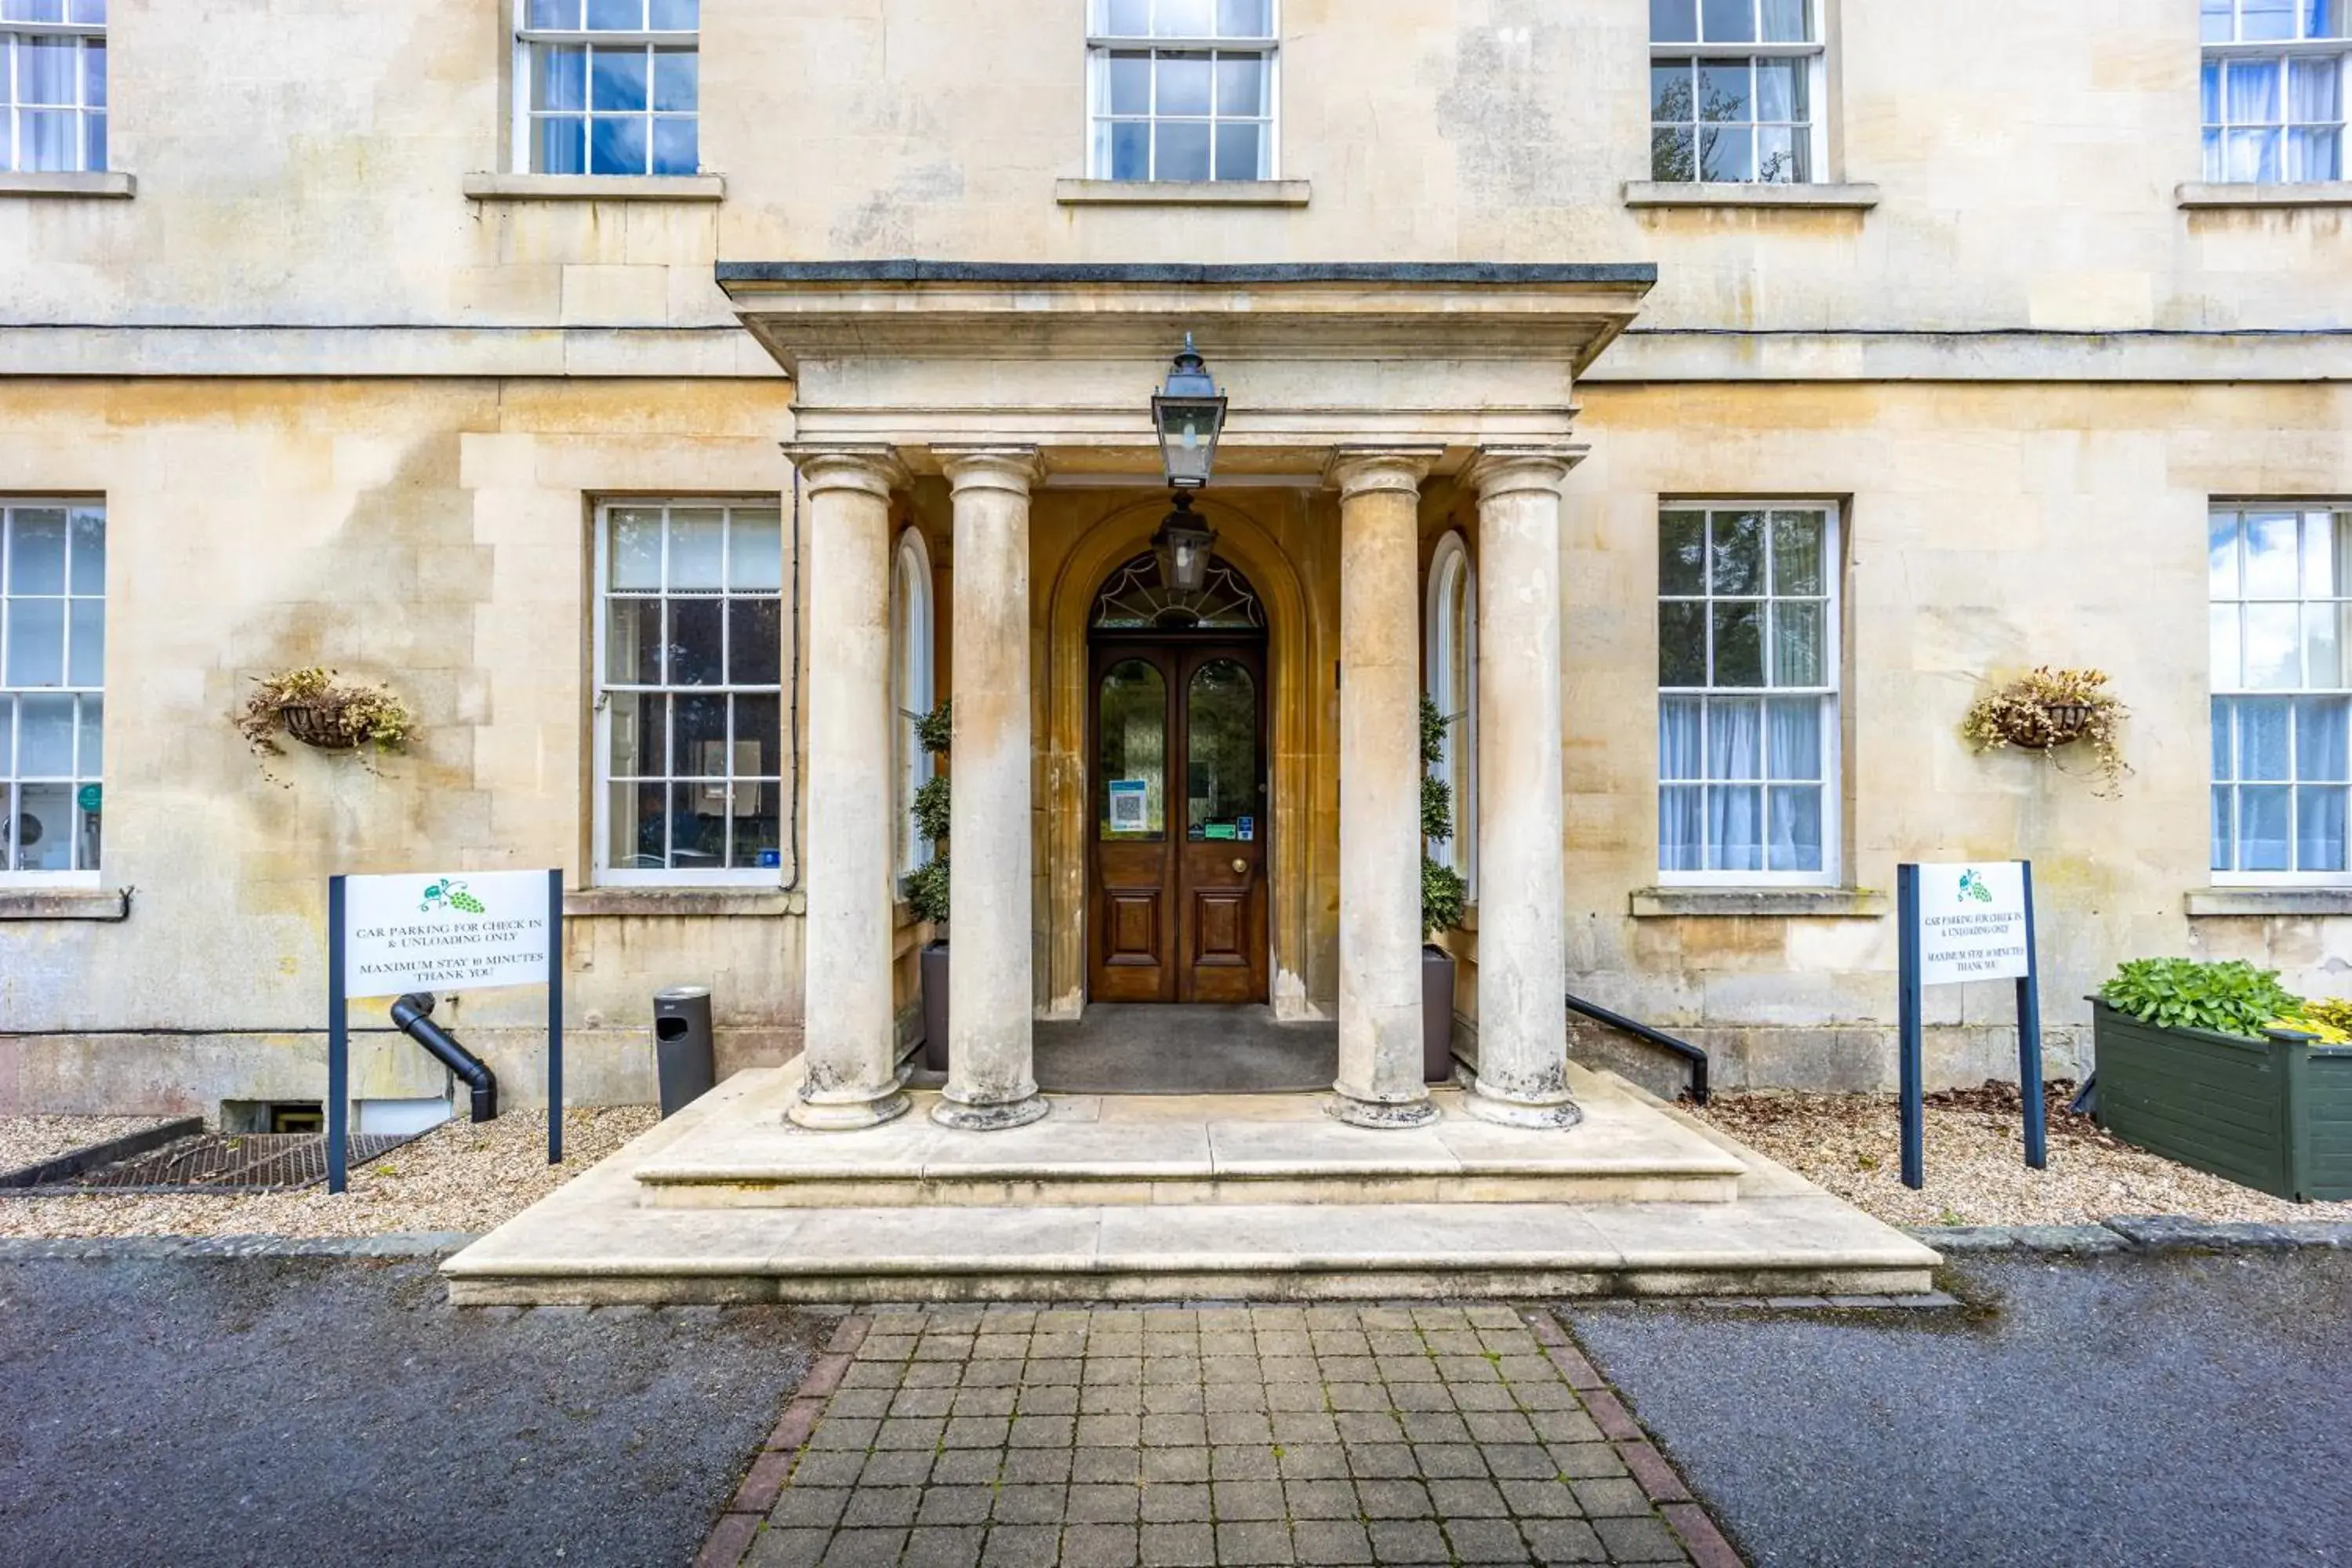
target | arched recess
x=1101, y=549
x=913, y=686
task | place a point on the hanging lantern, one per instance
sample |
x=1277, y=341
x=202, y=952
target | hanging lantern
x=1189, y=414
x=1182, y=546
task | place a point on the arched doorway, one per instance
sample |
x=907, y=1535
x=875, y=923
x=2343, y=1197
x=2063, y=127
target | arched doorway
x=1180, y=789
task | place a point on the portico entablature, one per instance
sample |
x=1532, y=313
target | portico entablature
x=943, y=355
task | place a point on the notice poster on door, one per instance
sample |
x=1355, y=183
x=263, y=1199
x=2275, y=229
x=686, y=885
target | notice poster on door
x=1128, y=798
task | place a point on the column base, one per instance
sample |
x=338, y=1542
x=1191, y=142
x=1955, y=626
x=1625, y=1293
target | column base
x=1558, y=1116
x=847, y=1115
x=1344, y=1106
x=996, y=1118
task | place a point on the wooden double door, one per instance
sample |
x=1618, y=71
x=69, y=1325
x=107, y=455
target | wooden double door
x=1177, y=857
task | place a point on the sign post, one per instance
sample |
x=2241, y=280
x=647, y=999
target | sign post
x=390, y=935
x=1964, y=922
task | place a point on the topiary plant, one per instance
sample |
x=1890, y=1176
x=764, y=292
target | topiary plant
x=927, y=885
x=2231, y=998
x=1445, y=896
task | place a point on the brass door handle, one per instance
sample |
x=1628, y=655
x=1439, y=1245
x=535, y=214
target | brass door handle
x=1241, y=868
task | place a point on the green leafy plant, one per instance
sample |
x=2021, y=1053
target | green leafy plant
x=927, y=885
x=1445, y=896
x=2231, y=998
x=2047, y=709
x=335, y=712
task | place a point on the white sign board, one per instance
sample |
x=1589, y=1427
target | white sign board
x=1129, y=798
x=445, y=932
x=1973, y=922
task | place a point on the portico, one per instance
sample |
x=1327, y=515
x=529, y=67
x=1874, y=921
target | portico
x=1013, y=399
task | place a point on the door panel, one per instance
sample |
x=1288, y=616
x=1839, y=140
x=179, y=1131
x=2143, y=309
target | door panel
x=1131, y=956
x=1221, y=871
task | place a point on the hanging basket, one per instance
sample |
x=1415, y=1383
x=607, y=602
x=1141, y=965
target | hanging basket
x=318, y=725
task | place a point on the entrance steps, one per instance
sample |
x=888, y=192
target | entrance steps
x=1262, y=1198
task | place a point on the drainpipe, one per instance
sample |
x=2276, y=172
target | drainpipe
x=413, y=1013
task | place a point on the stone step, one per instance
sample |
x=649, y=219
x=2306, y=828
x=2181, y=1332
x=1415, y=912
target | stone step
x=1121, y=1150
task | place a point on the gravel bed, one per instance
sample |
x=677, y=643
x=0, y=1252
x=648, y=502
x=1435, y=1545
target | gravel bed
x=457, y=1177
x=1852, y=1144
x=29, y=1140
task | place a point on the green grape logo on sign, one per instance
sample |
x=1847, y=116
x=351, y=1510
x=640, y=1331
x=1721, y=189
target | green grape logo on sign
x=448, y=894
x=1973, y=887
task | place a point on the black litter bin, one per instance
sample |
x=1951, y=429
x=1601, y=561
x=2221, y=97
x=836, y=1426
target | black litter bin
x=682, y=1048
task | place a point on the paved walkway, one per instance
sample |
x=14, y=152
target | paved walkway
x=1021, y=1438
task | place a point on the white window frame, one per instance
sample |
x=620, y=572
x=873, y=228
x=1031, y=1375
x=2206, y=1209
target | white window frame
x=1101, y=42
x=599, y=764
x=913, y=685
x=2228, y=689
x=12, y=721
x=642, y=41
x=2334, y=48
x=1832, y=697
x=1815, y=54
x=88, y=35
x=1450, y=662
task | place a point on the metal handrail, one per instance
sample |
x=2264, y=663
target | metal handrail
x=1658, y=1038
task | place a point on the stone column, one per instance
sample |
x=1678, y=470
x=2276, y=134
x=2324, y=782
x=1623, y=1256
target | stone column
x=990, y=994
x=1380, y=1081
x=1522, y=889
x=850, y=1035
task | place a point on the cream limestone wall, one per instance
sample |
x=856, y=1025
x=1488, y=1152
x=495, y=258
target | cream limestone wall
x=432, y=536
x=303, y=161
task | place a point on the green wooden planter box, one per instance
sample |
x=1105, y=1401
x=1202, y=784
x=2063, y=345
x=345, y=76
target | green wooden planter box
x=2275, y=1115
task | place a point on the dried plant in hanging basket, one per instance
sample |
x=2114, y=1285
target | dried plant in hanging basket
x=322, y=710
x=2047, y=709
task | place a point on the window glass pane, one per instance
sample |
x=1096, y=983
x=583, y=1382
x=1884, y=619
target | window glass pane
x=1793, y=748
x=1797, y=654
x=94, y=137
x=699, y=736
x=1183, y=19
x=2262, y=19
x=637, y=553
x=2321, y=728
x=559, y=76
x=45, y=71
x=94, y=72
x=1780, y=90
x=676, y=79
x=1788, y=22
x=2209, y=81
x=755, y=560
x=2273, y=648
x=2221, y=555
x=1682, y=828
x=2263, y=741
x=88, y=528
x=2314, y=155
x=1723, y=90
x=2223, y=754
x=95, y=10
x=1679, y=754
x=696, y=630
x=638, y=733
x=1783, y=156
x=1132, y=752
x=1681, y=552
x=633, y=641
x=1797, y=539
x=45, y=823
x=2323, y=646
x=1735, y=828
x=1245, y=18
x=45, y=735
x=36, y=643
x=1674, y=21
x=2327, y=555
x=1184, y=83
x=37, y=557
x=1673, y=157
x=555, y=15
x=2252, y=91
x=1727, y=21
x=1739, y=644
x=1681, y=644
x=1223, y=782
x=2271, y=538
x=1795, y=830
x=754, y=641
x=2223, y=837
x=2262, y=828
x=1670, y=91
x=616, y=16
x=7, y=748
x=46, y=140
x=2325, y=18
x=675, y=16
x=1726, y=155
x=697, y=547
x=1735, y=740
x=1128, y=18
x=1239, y=150
x=1131, y=150
x=2252, y=155
x=2228, y=673
x=1738, y=553
x=616, y=79
x=1241, y=85
x=2216, y=24
x=674, y=150
x=1184, y=149
x=559, y=146
x=86, y=657
x=1130, y=83
x=759, y=751
x=2311, y=91
x=90, y=759
x=2319, y=829
x=34, y=10
x=636, y=832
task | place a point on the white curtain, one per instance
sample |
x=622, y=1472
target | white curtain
x=2323, y=727
x=1735, y=826
x=1681, y=831
x=2312, y=103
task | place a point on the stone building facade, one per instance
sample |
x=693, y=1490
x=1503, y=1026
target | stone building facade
x=1701, y=400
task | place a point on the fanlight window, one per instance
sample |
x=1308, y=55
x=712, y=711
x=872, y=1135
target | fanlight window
x=1135, y=599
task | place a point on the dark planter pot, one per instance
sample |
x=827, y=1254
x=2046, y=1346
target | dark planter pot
x=935, y=1007
x=1436, y=1014
x=2275, y=1115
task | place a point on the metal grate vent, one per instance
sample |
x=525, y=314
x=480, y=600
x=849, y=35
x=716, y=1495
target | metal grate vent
x=215, y=1161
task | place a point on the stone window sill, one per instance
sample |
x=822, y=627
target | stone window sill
x=65, y=904
x=1753, y=903
x=1661, y=193
x=112, y=185
x=596, y=187
x=639, y=903
x=2269, y=901
x=2317, y=193
x=1182, y=192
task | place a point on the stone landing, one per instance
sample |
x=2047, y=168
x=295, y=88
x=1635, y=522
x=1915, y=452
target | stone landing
x=1152, y=1198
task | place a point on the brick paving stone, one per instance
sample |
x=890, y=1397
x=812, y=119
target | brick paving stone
x=1253, y=1542
x=1106, y=1466
x=1179, y=1546
x=1394, y=1499
x=1611, y=1499
x=1584, y=1460
x=1408, y=1541
x=1304, y=1426
x=1440, y=1461
x=1239, y=1426
x=1031, y=1504
x=1320, y=1500
x=1486, y=1541
x=1036, y=1467
x=1176, y=1503
x=1095, y=1504
x=955, y=1505
x=1058, y=1400
x=865, y=1549
x=1466, y=1499
x=1176, y=1464
x=966, y=1467
x=1242, y=1463
x=1246, y=1499
x=1563, y=1541
x=880, y=1507
x=1283, y=1396
x=788, y=1549
x=830, y=1470
x=1022, y=1546
x=1640, y=1540
x=1424, y=1396
x=1098, y=1546
x=1313, y=1461
x=994, y=1402
x=1218, y=1397
x=1323, y=1541
x=1538, y=1500
x=909, y=1467
x=1375, y=1460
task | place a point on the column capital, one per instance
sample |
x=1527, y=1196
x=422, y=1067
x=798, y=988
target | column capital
x=993, y=467
x=1506, y=470
x=1356, y=471
x=872, y=468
